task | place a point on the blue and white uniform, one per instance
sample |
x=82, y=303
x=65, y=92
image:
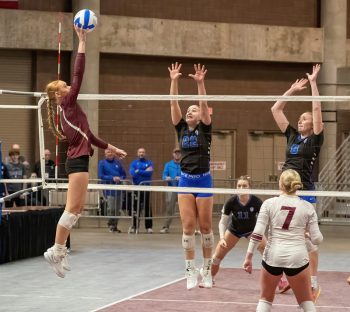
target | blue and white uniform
x=195, y=150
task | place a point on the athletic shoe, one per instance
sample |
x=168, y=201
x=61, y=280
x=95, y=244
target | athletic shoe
x=283, y=286
x=65, y=263
x=149, y=231
x=164, y=230
x=316, y=293
x=131, y=230
x=113, y=229
x=207, y=280
x=192, y=278
x=55, y=262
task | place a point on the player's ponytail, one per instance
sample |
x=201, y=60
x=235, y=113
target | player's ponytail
x=51, y=102
x=290, y=181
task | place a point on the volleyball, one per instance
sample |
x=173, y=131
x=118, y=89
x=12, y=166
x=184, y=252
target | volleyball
x=86, y=19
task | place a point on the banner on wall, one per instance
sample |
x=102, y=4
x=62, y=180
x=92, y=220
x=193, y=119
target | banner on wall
x=218, y=165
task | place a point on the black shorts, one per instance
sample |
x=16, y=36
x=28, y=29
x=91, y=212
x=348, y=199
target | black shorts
x=80, y=164
x=279, y=271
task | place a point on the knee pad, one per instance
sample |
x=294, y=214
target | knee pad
x=208, y=240
x=188, y=242
x=310, y=246
x=308, y=306
x=68, y=219
x=264, y=306
x=216, y=261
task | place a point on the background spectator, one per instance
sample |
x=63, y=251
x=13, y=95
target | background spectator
x=15, y=170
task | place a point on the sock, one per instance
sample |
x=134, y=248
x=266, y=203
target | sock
x=308, y=306
x=263, y=306
x=314, y=283
x=207, y=264
x=59, y=250
x=190, y=264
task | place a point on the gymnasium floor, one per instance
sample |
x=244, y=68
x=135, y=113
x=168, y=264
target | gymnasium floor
x=144, y=272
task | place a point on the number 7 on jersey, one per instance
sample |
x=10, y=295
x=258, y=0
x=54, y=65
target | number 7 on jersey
x=291, y=211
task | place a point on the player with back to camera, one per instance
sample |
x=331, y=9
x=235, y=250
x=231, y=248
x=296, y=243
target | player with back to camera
x=194, y=135
x=80, y=138
x=303, y=147
x=287, y=217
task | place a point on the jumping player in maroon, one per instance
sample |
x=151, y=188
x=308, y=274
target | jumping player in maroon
x=77, y=132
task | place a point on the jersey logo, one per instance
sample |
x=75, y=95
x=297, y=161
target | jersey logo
x=294, y=149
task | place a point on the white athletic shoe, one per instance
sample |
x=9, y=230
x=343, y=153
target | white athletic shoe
x=192, y=278
x=207, y=280
x=55, y=262
x=65, y=263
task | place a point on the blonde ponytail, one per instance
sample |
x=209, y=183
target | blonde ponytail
x=290, y=181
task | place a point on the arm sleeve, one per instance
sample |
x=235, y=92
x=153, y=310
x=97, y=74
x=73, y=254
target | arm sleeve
x=314, y=231
x=147, y=173
x=260, y=227
x=223, y=225
x=78, y=73
x=132, y=169
x=122, y=172
x=97, y=141
x=165, y=173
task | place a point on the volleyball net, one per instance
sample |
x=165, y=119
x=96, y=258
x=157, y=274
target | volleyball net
x=130, y=121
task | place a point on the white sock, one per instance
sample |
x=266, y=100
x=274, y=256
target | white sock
x=59, y=250
x=308, y=306
x=190, y=264
x=263, y=306
x=314, y=283
x=207, y=264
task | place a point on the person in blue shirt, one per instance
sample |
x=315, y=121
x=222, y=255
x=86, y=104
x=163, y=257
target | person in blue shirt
x=141, y=170
x=171, y=173
x=111, y=171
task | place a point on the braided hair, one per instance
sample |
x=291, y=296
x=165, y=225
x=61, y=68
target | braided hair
x=51, y=88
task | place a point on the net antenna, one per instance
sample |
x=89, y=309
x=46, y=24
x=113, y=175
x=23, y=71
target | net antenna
x=58, y=78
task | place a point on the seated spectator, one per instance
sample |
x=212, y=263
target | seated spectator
x=49, y=166
x=15, y=170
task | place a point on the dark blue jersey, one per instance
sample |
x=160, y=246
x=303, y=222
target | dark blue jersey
x=301, y=154
x=243, y=216
x=195, y=147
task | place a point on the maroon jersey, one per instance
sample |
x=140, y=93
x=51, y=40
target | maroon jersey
x=74, y=122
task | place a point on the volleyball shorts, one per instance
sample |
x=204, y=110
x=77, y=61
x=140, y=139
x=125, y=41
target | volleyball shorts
x=80, y=164
x=203, y=180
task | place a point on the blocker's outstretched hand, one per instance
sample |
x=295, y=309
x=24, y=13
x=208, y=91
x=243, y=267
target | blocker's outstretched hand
x=175, y=71
x=200, y=72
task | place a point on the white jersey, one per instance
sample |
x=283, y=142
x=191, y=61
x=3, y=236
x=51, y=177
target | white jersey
x=287, y=217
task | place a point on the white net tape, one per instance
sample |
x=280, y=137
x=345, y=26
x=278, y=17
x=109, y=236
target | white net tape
x=216, y=98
